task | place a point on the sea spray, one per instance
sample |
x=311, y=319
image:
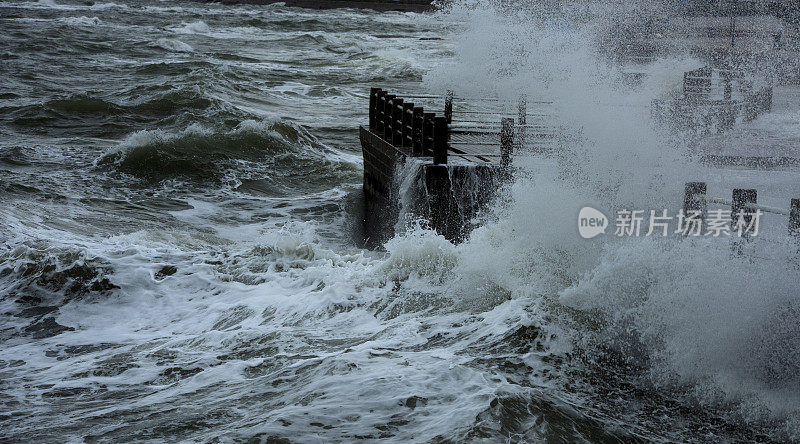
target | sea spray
x=686, y=310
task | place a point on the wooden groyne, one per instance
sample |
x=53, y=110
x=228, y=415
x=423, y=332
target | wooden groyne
x=743, y=200
x=451, y=168
x=441, y=159
x=743, y=215
x=713, y=101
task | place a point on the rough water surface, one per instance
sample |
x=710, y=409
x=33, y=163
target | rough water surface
x=180, y=187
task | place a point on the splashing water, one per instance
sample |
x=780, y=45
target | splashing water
x=683, y=318
x=176, y=263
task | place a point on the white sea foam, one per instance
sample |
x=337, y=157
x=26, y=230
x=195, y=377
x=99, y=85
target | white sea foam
x=196, y=27
x=172, y=45
x=81, y=21
x=721, y=325
x=263, y=327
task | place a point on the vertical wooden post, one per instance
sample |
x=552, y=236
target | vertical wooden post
x=448, y=106
x=380, y=105
x=440, y=138
x=727, y=118
x=373, y=107
x=751, y=107
x=685, y=78
x=522, y=120
x=506, y=142
x=741, y=198
x=408, y=119
x=397, y=122
x=522, y=109
x=440, y=200
x=387, y=117
x=694, y=200
x=727, y=93
x=794, y=218
x=427, y=134
x=416, y=131
x=767, y=99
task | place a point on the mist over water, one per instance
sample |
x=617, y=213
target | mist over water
x=688, y=318
x=181, y=187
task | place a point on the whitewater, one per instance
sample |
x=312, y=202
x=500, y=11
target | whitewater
x=180, y=260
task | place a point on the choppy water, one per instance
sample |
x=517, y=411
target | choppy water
x=180, y=188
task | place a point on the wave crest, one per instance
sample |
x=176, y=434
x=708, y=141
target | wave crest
x=201, y=153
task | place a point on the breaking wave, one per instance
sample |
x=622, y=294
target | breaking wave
x=172, y=45
x=252, y=150
x=81, y=21
x=686, y=318
x=198, y=27
x=169, y=304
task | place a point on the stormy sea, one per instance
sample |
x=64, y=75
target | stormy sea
x=182, y=255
